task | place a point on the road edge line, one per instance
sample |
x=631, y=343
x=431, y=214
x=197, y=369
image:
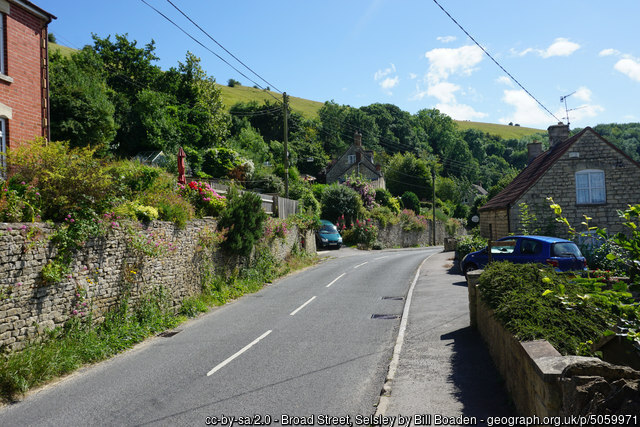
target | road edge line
x=383, y=402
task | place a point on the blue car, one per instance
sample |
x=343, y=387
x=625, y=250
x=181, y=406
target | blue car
x=328, y=236
x=563, y=255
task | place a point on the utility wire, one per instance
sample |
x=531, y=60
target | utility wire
x=205, y=47
x=223, y=48
x=496, y=62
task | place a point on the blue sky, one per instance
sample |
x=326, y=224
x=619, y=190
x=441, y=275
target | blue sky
x=404, y=52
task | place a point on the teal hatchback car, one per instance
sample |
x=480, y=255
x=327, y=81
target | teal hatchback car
x=328, y=236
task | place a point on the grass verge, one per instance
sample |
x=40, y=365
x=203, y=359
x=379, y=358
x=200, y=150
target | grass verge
x=79, y=342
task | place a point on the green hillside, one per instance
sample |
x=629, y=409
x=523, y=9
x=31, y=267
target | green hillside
x=233, y=95
x=64, y=50
x=504, y=131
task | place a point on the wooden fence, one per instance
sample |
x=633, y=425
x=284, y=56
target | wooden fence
x=271, y=203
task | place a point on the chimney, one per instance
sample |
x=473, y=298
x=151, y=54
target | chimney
x=557, y=134
x=534, y=149
x=357, y=139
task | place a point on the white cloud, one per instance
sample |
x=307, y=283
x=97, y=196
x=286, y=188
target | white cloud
x=446, y=39
x=629, y=67
x=505, y=81
x=529, y=113
x=609, y=52
x=413, y=76
x=389, y=83
x=444, y=91
x=583, y=94
x=559, y=47
x=444, y=62
x=380, y=74
x=460, y=111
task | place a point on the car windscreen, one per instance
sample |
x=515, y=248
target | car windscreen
x=328, y=229
x=565, y=249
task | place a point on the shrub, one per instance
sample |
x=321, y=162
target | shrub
x=384, y=216
x=384, y=198
x=131, y=177
x=220, y=161
x=412, y=222
x=309, y=204
x=205, y=200
x=267, y=182
x=339, y=200
x=364, y=189
x=361, y=232
x=244, y=217
x=534, y=302
x=19, y=202
x=68, y=179
x=468, y=244
x=410, y=201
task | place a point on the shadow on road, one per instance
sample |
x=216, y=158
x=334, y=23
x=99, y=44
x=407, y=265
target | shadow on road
x=479, y=386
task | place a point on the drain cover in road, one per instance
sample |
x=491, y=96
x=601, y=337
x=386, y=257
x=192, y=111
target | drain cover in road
x=394, y=298
x=167, y=334
x=385, y=316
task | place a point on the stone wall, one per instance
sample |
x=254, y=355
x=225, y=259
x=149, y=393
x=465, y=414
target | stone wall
x=104, y=269
x=542, y=382
x=589, y=152
x=393, y=236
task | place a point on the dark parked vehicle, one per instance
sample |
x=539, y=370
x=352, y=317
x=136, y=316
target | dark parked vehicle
x=328, y=236
x=562, y=254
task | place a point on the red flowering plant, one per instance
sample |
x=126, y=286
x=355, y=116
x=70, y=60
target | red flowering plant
x=205, y=200
x=275, y=227
x=364, y=189
x=361, y=232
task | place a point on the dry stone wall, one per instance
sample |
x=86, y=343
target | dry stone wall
x=104, y=270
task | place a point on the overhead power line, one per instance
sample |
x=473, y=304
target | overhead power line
x=206, y=47
x=494, y=60
x=223, y=48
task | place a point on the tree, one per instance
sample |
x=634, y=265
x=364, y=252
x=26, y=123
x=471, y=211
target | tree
x=406, y=172
x=339, y=200
x=439, y=129
x=81, y=111
x=233, y=83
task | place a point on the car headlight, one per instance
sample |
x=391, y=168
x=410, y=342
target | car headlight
x=323, y=240
x=340, y=239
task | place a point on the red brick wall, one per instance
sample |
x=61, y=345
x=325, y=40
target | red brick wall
x=23, y=63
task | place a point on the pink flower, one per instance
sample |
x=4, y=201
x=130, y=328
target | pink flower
x=19, y=284
x=74, y=312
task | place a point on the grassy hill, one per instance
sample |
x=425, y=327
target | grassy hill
x=504, y=131
x=64, y=50
x=233, y=95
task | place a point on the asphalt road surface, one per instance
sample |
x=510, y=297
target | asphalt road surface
x=304, y=346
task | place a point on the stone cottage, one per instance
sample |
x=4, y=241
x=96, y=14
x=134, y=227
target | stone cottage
x=585, y=174
x=24, y=75
x=356, y=160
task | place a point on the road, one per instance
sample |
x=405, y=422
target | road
x=305, y=345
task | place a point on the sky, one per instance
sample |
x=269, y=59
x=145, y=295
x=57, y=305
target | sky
x=403, y=52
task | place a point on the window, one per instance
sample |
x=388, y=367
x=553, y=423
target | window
x=351, y=159
x=530, y=247
x=590, y=187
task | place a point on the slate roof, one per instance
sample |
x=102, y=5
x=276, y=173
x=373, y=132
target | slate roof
x=536, y=169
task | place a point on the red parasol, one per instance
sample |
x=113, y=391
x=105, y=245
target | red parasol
x=181, y=156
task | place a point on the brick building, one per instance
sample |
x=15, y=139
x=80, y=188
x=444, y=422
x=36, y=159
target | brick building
x=356, y=160
x=585, y=175
x=24, y=86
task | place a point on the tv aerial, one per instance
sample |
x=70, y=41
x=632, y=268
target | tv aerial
x=566, y=109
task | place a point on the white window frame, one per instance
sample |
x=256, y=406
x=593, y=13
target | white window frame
x=592, y=188
x=351, y=159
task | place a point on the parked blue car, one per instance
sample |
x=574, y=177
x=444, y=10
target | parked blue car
x=328, y=235
x=563, y=255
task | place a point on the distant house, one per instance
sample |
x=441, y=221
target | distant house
x=356, y=160
x=585, y=175
x=24, y=76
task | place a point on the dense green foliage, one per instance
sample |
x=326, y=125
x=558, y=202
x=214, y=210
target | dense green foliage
x=244, y=219
x=340, y=200
x=534, y=302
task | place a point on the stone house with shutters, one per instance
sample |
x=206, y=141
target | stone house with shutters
x=585, y=174
x=24, y=76
x=356, y=160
